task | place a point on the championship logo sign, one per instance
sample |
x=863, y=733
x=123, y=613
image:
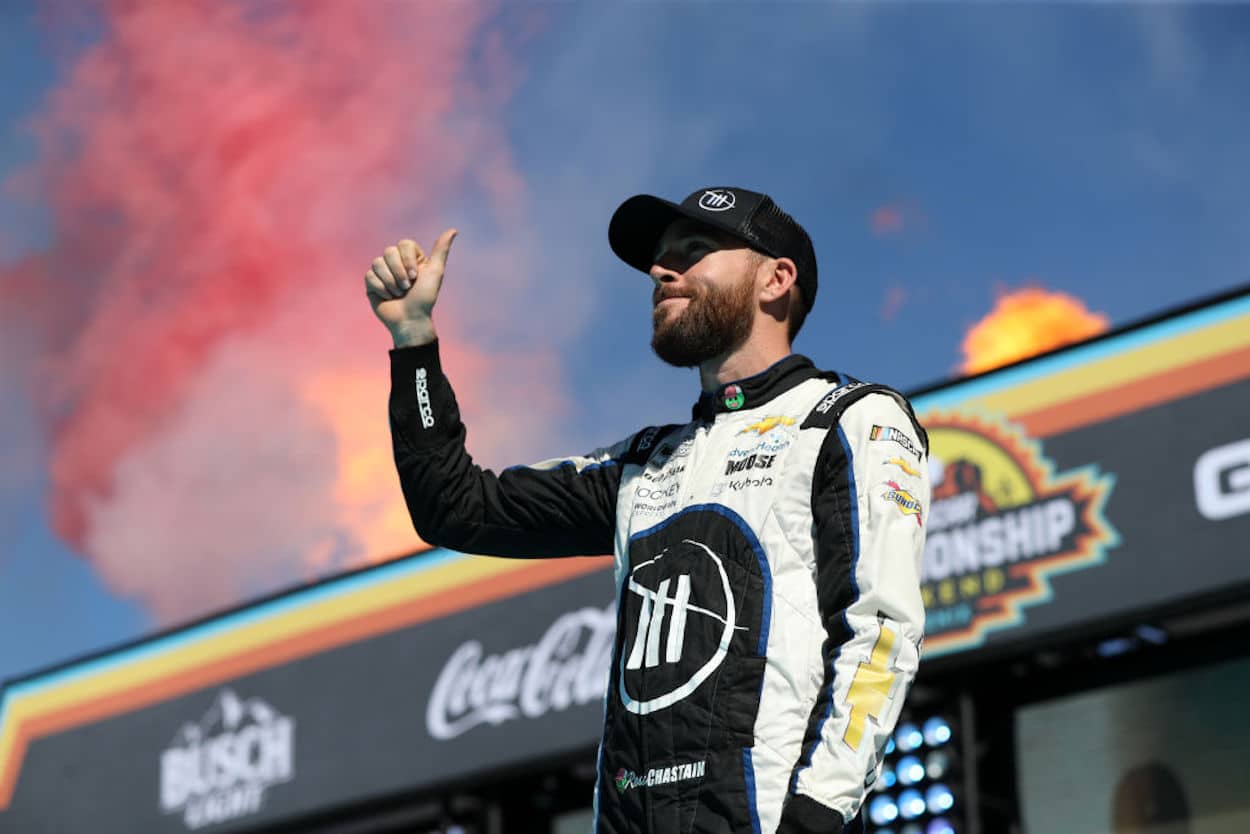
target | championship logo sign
x=1002, y=522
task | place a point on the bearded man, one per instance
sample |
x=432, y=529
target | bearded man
x=767, y=552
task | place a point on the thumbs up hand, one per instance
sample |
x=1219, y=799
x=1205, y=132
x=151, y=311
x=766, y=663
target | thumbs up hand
x=403, y=285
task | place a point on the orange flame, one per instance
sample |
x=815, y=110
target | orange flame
x=1025, y=323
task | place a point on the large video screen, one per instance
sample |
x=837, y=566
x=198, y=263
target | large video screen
x=1166, y=755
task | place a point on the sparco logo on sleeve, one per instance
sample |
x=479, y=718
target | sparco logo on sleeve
x=423, y=399
x=836, y=394
x=218, y=768
x=1222, y=481
x=567, y=667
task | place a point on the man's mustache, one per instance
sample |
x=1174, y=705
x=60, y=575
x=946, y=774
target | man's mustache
x=663, y=295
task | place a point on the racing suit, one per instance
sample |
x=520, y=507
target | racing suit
x=767, y=557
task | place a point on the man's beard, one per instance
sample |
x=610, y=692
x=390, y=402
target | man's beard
x=714, y=323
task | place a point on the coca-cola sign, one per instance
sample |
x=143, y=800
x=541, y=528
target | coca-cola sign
x=567, y=667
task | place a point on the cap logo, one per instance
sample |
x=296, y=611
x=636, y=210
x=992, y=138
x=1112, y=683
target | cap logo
x=717, y=200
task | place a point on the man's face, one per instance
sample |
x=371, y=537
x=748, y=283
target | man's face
x=704, y=297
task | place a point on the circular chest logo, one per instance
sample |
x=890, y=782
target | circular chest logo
x=695, y=595
x=670, y=609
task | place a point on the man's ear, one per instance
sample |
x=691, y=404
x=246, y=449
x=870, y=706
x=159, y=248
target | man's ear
x=780, y=279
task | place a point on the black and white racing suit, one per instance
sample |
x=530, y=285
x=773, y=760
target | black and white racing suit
x=769, y=618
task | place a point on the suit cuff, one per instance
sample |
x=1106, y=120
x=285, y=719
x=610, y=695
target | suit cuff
x=422, y=406
x=804, y=815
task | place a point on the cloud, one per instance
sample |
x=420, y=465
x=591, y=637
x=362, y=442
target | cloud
x=1173, y=58
x=896, y=218
x=895, y=299
x=20, y=444
x=887, y=220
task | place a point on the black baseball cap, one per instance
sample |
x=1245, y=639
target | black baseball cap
x=753, y=218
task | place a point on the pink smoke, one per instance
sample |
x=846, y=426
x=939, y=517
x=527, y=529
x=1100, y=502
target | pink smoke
x=220, y=175
x=896, y=218
x=886, y=220
x=895, y=300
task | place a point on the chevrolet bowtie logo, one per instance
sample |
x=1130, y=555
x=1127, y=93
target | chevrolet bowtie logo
x=768, y=424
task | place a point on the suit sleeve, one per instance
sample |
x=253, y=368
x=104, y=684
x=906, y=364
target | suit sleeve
x=870, y=500
x=563, y=507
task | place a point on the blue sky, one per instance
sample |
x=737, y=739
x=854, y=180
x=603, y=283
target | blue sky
x=1098, y=150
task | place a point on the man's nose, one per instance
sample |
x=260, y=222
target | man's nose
x=661, y=274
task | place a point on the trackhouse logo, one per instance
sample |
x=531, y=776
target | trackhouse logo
x=717, y=199
x=1000, y=523
x=659, y=635
x=218, y=768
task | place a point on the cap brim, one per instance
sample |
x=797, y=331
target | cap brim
x=636, y=228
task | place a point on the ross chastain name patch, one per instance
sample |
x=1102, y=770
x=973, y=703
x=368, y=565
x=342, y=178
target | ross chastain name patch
x=626, y=779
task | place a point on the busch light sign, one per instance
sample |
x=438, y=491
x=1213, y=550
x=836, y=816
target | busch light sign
x=218, y=768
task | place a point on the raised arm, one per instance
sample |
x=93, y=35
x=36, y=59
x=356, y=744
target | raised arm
x=563, y=507
x=559, y=508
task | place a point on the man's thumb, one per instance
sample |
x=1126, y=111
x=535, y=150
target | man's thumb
x=442, y=246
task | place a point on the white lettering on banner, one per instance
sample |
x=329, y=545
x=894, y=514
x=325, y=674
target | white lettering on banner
x=567, y=667
x=1222, y=481
x=958, y=509
x=218, y=769
x=1031, y=531
x=423, y=399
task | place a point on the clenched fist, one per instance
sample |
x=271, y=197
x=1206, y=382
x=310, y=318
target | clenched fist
x=403, y=285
